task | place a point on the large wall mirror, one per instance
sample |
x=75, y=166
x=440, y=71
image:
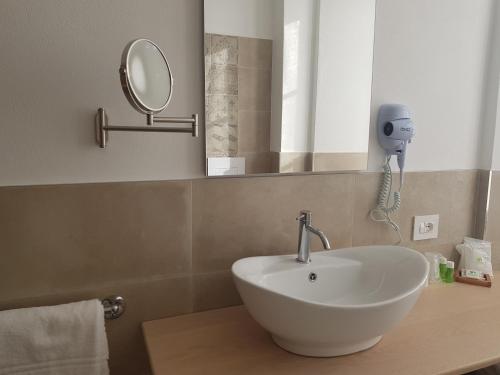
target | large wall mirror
x=287, y=85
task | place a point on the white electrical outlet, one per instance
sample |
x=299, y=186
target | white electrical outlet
x=425, y=227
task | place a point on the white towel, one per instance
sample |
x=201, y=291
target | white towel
x=54, y=340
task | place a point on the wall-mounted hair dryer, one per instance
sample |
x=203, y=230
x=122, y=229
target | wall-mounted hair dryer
x=395, y=130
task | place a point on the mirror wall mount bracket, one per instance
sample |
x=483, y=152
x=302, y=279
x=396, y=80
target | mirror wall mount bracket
x=102, y=127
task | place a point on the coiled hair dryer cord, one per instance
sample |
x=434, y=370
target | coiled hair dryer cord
x=382, y=213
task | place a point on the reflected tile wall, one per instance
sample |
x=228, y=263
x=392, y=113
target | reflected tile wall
x=224, y=50
x=238, y=99
x=221, y=95
x=222, y=125
x=167, y=247
x=223, y=79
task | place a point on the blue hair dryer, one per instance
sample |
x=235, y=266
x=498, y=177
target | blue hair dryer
x=395, y=130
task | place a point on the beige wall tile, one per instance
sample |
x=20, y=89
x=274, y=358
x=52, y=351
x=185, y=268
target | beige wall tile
x=493, y=223
x=494, y=208
x=255, y=53
x=240, y=217
x=145, y=300
x=254, y=131
x=214, y=290
x=68, y=236
x=167, y=247
x=257, y=162
x=450, y=194
x=254, y=87
x=275, y=162
x=482, y=203
x=339, y=161
x=365, y=231
x=426, y=194
x=464, y=205
x=446, y=249
x=291, y=162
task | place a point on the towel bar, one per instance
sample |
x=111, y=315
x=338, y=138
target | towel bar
x=114, y=307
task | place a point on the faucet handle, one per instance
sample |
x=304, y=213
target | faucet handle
x=305, y=216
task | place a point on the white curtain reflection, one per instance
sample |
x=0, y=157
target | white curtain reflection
x=290, y=78
x=291, y=57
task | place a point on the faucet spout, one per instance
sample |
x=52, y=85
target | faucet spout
x=305, y=229
x=321, y=235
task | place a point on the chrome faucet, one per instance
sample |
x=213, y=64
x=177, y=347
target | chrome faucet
x=305, y=229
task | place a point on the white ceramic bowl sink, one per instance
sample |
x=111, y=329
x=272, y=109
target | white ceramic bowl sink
x=358, y=295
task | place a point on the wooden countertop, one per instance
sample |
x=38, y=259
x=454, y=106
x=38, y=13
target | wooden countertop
x=453, y=329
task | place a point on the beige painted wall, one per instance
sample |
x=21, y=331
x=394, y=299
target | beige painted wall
x=433, y=56
x=60, y=62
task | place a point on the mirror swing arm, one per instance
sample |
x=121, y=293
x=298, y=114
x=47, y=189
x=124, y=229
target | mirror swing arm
x=150, y=51
x=103, y=127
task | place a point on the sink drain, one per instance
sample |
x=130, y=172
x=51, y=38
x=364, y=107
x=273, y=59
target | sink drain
x=313, y=277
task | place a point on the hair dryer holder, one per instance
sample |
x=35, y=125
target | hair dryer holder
x=395, y=130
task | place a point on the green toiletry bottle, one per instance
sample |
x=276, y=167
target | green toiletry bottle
x=442, y=268
x=450, y=270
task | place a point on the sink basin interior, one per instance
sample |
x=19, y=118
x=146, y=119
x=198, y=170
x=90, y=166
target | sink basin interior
x=342, y=277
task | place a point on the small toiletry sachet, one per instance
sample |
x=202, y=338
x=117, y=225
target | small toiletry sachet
x=475, y=257
x=433, y=259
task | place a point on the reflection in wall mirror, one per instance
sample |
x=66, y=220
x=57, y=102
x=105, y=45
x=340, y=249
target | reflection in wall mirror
x=146, y=77
x=287, y=85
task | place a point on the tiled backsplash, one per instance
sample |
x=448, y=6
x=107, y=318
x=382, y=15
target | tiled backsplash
x=167, y=247
x=492, y=227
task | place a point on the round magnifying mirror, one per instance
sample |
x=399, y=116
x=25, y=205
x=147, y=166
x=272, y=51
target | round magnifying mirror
x=146, y=77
